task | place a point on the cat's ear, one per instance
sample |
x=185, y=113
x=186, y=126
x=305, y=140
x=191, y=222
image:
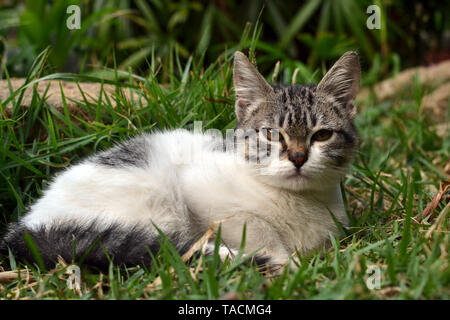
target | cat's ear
x=342, y=80
x=249, y=85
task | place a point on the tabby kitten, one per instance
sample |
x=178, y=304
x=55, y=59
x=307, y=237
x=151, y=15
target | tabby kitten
x=284, y=194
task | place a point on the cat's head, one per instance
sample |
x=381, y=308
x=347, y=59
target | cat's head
x=310, y=126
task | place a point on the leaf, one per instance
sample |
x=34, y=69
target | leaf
x=299, y=21
x=432, y=205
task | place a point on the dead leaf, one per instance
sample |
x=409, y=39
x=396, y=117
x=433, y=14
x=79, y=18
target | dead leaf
x=11, y=276
x=429, y=210
x=436, y=227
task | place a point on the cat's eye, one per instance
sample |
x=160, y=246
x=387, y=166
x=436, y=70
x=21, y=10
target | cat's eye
x=322, y=135
x=270, y=135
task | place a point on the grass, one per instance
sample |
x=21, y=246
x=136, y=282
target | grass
x=395, y=175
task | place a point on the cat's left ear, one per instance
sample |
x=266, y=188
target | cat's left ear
x=342, y=80
x=249, y=85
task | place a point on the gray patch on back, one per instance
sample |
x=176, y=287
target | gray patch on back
x=132, y=153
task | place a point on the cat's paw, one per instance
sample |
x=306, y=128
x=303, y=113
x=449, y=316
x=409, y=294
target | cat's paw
x=224, y=251
x=266, y=263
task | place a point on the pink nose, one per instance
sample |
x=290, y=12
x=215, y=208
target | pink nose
x=298, y=159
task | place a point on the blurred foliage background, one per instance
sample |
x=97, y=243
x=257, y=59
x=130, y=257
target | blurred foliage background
x=308, y=35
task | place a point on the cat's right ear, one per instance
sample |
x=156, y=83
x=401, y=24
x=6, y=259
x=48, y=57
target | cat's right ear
x=249, y=85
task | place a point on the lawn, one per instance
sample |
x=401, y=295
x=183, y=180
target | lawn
x=396, y=174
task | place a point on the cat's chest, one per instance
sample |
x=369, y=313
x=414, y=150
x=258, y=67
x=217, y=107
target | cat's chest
x=229, y=189
x=221, y=189
x=300, y=220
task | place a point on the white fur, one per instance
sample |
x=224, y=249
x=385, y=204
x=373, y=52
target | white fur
x=188, y=186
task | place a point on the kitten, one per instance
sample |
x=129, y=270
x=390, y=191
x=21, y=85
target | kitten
x=183, y=181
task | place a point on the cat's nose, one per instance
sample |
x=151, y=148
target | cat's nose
x=298, y=159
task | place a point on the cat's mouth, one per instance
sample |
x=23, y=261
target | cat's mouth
x=298, y=174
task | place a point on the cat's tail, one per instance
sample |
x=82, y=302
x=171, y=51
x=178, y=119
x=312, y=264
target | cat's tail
x=85, y=244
